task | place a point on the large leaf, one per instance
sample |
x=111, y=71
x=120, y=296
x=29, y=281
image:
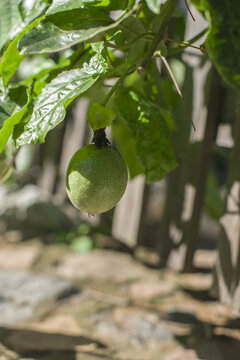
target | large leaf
x=60, y=5
x=151, y=127
x=67, y=28
x=12, y=108
x=223, y=41
x=15, y=15
x=49, y=108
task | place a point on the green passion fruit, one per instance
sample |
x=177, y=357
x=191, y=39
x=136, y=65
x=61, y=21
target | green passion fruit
x=96, y=178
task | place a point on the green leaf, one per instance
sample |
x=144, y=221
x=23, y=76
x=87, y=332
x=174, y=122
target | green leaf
x=59, y=5
x=15, y=16
x=50, y=105
x=151, y=127
x=154, y=5
x=64, y=29
x=12, y=108
x=29, y=10
x=100, y=116
x=11, y=58
x=223, y=42
x=10, y=20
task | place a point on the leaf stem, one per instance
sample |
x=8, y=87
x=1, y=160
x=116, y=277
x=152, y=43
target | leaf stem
x=183, y=45
x=177, y=88
x=189, y=10
x=110, y=93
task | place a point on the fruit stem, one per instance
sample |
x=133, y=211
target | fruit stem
x=100, y=139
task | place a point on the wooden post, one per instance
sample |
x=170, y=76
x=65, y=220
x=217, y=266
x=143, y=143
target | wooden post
x=226, y=283
x=128, y=213
x=191, y=227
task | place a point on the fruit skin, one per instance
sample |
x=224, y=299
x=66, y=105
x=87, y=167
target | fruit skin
x=96, y=179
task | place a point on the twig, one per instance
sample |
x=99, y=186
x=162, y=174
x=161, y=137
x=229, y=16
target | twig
x=188, y=9
x=177, y=87
x=183, y=45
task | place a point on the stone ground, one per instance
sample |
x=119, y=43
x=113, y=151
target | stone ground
x=104, y=305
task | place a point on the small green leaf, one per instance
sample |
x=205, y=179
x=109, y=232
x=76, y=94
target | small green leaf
x=100, y=116
x=50, y=105
x=151, y=127
x=13, y=105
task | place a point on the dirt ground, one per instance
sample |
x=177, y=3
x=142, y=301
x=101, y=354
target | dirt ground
x=104, y=305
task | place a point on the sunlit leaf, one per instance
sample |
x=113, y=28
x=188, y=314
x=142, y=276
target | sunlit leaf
x=50, y=105
x=15, y=16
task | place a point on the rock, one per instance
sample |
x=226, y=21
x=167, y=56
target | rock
x=101, y=264
x=133, y=326
x=151, y=288
x=141, y=325
x=181, y=354
x=22, y=293
x=198, y=281
x=32, y=211
x=19, y=256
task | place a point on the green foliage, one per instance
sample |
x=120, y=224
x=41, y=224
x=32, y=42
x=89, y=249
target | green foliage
x=150, y=125
x=73, y=46
x=223, y=41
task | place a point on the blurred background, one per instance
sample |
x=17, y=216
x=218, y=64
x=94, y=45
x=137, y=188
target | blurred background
x=157, y=277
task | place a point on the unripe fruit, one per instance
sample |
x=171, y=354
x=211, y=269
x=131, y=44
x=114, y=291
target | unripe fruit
x=96, y=179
